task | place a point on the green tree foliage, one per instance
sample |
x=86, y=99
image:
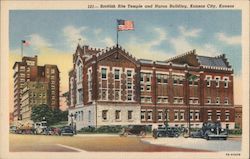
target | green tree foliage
x=51, y=116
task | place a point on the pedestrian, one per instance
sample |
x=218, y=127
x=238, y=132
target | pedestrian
x=155, y=133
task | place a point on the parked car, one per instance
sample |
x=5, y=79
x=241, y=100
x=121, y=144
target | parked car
x=168, y=132
x=67, y=131
x=139, y=130
x=211, y=130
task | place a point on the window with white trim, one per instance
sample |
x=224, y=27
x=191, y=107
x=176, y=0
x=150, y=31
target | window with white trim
x=104, y=73
x=209, y=116
x=143, y=114
x=226, y=101
x=217, y=100
x=225, y=83
x=208, y=81
x=105, y=114
x=176, y=115
x=148, y=77
x=218, y=114
x=129, y=96
x=208, y=101
x=197, y=115
x=118, y=114
x=104, y=94
x=182, y=116
x=117, y=74
x=191, y=115
x=227, y=115
x=160, y=115
x=142, y=87
x=130, y=114
x=217, y=81
x=129, y=73
x=117, y=94
x=150, y=115
x=148, y=87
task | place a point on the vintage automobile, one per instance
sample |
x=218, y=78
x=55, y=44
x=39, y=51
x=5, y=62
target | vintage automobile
x=139, y=130
x=67, y=131
x=168, y=132
x=211, y=130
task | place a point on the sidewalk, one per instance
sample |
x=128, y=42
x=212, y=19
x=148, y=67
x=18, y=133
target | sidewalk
x=96, y=135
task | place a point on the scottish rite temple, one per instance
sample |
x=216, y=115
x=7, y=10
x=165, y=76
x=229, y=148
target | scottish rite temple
x=112, y=87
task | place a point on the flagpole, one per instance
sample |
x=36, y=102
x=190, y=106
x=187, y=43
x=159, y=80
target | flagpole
x=21, y=49
x=117, y=33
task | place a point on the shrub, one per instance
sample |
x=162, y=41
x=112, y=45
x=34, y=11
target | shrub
x=235, y=132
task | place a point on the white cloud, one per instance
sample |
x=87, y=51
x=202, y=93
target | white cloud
x=230, y=40
x=73, y=34
x=108, y=42
x=161, y=36
x=146, y=50
x=189, y=33
x=38, y=41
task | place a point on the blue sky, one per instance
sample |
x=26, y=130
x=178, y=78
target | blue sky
x=158, y=34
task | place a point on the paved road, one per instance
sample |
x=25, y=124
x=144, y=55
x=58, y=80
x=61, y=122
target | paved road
x=31, y=143
x=197, y=143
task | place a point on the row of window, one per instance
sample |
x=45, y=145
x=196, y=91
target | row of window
x=117, y=95
x=217, y=82
x=117, y=114
x=179, y=115
x=117, y=73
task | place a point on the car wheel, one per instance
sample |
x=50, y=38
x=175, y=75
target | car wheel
x=125, y=134
x=207, y=137
x=142, y=134
x=176, y=135
x=160, y=135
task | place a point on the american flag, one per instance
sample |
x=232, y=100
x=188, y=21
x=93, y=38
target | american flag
x=25, y=43
x=123, y=25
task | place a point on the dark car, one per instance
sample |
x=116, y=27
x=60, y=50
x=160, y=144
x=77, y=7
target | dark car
x=168, y=132
x=67, y=131
x=139, y=130
x=211, y=130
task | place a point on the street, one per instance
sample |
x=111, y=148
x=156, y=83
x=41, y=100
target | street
x=232, y=144
x=81, y=143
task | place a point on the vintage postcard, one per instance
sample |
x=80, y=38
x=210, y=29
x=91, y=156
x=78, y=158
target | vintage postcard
x=123, y=79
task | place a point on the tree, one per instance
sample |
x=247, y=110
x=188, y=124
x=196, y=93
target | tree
x=41, y=111
x=51, y=116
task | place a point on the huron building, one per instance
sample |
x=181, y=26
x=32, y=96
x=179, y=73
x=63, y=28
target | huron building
x=28, y=77
x=112, y=87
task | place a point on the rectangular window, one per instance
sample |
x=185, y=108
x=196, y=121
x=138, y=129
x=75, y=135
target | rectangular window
x=148, y=87
x=218, y=115
x=142, y=77
x=227, y=116
x=143, y=113
x=159, y=100
x=165, y=79
x=197, y=115
x=130, y=114
x=104, y=73
x=129, y=73
x=160, y=114
x=105, y=114
x=142, y=87
x=150, y=114
x=165, y=100
x=225, y=83
x=129, y=96
x=208, y=82
x=191, y=115
x=117, y=114
x=129, y=85
x=217, y=80
x=218, y=100
x=148, y=99
x=176, y=115
x=89, y=116
x=117, y=74
x=158, y=78
x=226, y=101
x=182, y=116
x=209, y=116
x=142, y=99
x=208, y=101
x=147, y=77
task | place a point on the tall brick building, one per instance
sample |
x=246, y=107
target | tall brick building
x=27, y=71
x=111, y=87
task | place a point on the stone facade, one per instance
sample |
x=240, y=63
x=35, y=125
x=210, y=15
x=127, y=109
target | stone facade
x=113, y=81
